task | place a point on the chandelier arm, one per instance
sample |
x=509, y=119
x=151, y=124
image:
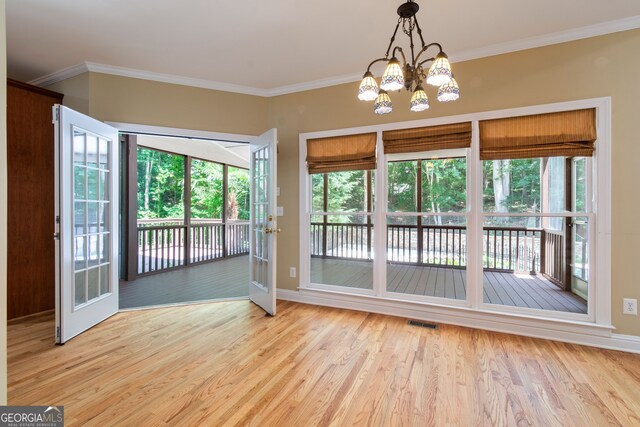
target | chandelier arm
x=399, y=49
x=413, y=56
x=427, y=47
x=376, y=60
x=393, y=38
x=433, y=58
x=415, y=19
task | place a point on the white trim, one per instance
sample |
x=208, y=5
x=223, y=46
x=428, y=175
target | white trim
x=599, y=309
x=600, y=29
x=60, y=75
x=181, y=133
x=565, y=331
x=586, y=32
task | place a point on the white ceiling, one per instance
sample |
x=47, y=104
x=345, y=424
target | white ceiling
x=278, y=43
x=234, y=154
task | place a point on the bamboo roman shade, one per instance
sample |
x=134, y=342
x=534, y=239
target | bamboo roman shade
x=442, y=137
x=341, y=153
x=567, y=133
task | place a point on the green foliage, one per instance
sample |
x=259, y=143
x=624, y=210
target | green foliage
x=239, y=191
x=402, y=179
x=161, y=187
x=347, y=192
x=206, y=189
x=524, y=188
x=160, y=184
x=444, y=185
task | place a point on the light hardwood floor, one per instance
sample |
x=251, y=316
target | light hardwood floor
x=227, y=364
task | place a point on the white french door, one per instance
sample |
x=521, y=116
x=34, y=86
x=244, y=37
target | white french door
x=264, y=227
x=86, y=222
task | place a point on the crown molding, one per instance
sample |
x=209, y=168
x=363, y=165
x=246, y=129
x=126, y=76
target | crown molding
x=58, y=76
x=174, y=79
x=623, y=24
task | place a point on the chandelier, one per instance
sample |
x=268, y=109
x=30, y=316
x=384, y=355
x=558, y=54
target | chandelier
x=410, y=75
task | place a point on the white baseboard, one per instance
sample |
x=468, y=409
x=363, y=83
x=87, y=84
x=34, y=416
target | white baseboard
x=583, y=333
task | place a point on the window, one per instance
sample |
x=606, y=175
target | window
x=506, y=223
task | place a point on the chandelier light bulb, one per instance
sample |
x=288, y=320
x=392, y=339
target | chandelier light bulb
x=449, y=92
x=368, y=88
x=419, y=100
x=393, y=78
x=440, y=71
x=382, y=104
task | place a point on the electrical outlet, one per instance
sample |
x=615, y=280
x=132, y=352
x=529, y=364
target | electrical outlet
x=630, y=306
x=292, y=272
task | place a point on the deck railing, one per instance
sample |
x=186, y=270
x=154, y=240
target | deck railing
x=165, y=244
x=505, y=248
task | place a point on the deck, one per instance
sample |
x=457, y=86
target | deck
x=518, y=290
x=229, y=278
x=225, y=278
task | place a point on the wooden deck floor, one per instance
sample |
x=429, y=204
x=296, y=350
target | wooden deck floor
x=227, y=278
x=518, y=290
x=226, y=364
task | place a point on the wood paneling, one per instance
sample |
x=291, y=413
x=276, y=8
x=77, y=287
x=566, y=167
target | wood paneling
x=30, y=168
x=227, y=364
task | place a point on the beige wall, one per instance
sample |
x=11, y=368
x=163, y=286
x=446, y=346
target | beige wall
x=3, y=208
x=601, y=66
x=76, y=92
x=121, y=99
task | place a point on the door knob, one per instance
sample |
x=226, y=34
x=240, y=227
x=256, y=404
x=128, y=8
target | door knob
x=271, y=230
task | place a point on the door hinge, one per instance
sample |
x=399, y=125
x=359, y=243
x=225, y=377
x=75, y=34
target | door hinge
x=58, y=332
x=56, y=114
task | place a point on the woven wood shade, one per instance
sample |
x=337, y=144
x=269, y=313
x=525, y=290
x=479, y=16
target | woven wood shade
x=442, y=137
x=567, y=133
x=341, y=153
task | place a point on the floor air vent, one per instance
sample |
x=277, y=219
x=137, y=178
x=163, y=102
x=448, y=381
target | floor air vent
x=423, y=324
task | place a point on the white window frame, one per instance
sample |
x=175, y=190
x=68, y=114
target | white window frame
x=599, y=303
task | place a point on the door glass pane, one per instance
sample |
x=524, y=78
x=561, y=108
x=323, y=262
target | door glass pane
x=93, y=289
x=92, y=184
x=92, y=151
x=79, y=253
x=103, y=217
x=104, y=185
x=104, y=153
x=93, y=249
x=79, y=185
x=79, y=288
x=104, y=279
x=92, y=217
x=80, y=217
x=78, y=147
x=103, y=243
